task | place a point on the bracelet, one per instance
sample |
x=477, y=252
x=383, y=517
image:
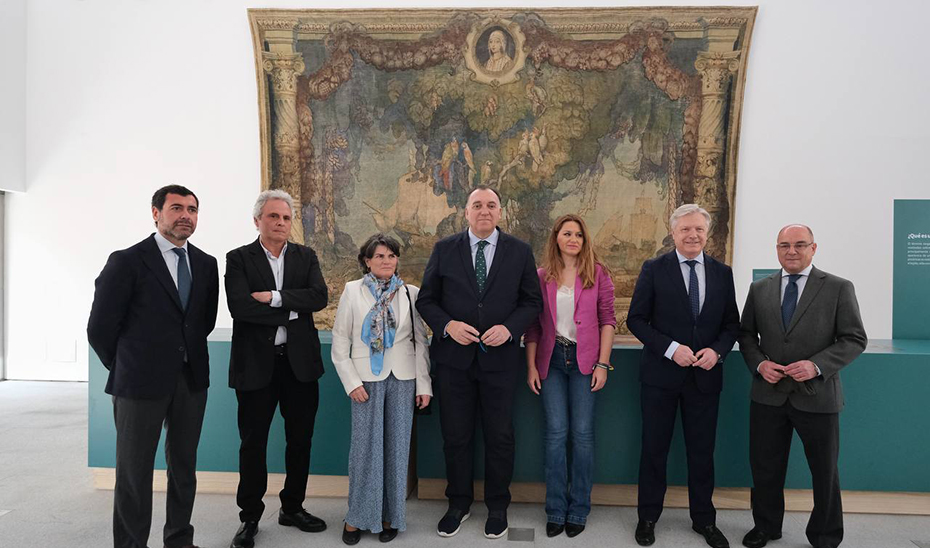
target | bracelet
x=603, y=365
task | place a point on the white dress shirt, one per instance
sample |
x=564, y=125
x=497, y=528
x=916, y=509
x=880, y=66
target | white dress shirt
x=488, y=256
x=488, y=249
x=277, y=270
x=702, y=289
x=171, y=258
x=802, y=281
x=565, y=313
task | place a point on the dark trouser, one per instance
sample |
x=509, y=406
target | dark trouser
x=462, y=394
x=299, y=401
x=770, y=430
x=699, y=423
x=138, y=429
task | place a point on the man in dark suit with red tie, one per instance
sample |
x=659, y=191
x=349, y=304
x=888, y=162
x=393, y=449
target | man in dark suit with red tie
x=684, y=312
x=154, y=305
x=480, y=291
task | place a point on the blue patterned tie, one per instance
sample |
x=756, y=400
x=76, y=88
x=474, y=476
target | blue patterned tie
x=790, y=302
x=481, y=266
x=694, y=291
x=184, y=276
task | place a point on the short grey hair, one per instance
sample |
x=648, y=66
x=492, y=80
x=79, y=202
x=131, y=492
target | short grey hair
x=268, y=195
x=684, y=211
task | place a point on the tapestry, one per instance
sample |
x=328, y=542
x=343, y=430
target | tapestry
x=384, y=120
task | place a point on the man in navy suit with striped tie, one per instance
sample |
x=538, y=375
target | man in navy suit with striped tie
x=684, y=312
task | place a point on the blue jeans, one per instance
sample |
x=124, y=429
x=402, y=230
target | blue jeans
x=568, y=406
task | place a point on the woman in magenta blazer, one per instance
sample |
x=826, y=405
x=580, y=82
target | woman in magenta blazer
x=567, y=356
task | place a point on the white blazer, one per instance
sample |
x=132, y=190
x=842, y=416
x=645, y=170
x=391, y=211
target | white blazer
x=352, y=357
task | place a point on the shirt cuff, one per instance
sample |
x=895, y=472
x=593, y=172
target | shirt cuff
x=817, y=369
x=445, y=330
x=275, y=299
x=671, y=349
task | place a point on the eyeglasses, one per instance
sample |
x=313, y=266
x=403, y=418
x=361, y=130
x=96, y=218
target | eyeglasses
x=800, y=246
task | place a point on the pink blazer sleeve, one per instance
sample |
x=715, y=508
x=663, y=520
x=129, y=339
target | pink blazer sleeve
x=605, y=298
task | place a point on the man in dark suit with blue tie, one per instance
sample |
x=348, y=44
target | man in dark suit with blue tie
x=480, y=291
x=799, y=328
x=684, y=312
x=154, y=305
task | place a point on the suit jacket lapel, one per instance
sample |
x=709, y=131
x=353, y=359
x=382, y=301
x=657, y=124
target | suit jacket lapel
x=260, y=262
x=579, y=287
x=710, y=283
x=403, y=304
x=499, y=254
x=156, y=263
x=552, y=290
x=465, y=254
x=771, y=295
x=673, y=269
x=290, y=266
x=813, y=286
x=198, y=277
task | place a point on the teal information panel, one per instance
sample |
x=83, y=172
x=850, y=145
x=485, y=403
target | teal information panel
x=911, y=289
x=762, y=273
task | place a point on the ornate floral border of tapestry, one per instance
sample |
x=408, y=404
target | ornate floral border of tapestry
x=685, y=126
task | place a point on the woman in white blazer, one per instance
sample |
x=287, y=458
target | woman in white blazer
x=380, y=353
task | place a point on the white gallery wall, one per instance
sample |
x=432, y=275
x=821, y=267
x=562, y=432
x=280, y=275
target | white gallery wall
x=124, y=96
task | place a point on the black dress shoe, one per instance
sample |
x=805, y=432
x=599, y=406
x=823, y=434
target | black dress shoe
x=757, y=538
x=351, y=537
x=245, y=536
x=303, y=520
x=645, y=532
x=387, y=534
x=712, y=536
x=573, y=529
x=554, y=529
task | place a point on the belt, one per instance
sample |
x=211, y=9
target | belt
x=280, y=350
x=564, y=341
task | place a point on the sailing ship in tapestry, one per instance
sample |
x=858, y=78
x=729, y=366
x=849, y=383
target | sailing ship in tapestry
x=384, y=121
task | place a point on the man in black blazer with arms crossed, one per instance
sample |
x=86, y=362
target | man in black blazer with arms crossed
x=684, y=312
x=799, y=328
x=154, y=305
x=273, y=287
x=480, y=291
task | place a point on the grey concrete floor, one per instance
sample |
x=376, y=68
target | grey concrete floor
x=47, y=500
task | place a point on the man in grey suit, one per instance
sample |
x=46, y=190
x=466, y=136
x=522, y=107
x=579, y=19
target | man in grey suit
x=799, y=327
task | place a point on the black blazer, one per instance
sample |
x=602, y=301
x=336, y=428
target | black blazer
x=511, y=297
x=138, y=328
x=660, y=312
x=251, y=360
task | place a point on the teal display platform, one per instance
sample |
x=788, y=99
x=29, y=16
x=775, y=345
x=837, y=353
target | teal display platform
x=884, y=441
x=219, y=441
x=883, y=430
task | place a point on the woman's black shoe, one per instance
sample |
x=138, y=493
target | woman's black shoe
x=554, y=529
x=351, y=537
x=573, y=529
x=387, y=534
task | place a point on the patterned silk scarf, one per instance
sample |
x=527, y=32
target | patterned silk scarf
x=379, y=325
